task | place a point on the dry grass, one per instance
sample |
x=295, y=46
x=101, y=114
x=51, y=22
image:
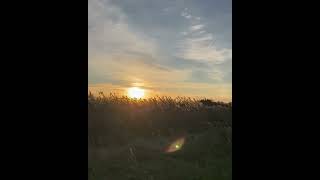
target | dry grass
x=127, y=138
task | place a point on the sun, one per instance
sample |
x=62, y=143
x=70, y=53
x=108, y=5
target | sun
x=135, y=92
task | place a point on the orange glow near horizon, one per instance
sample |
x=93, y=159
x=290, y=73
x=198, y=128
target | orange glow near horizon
x=135, y=90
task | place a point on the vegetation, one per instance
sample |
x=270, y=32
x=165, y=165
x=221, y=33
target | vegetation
x=128, y=138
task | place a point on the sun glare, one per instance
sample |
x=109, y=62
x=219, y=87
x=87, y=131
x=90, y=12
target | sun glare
x=135, y=92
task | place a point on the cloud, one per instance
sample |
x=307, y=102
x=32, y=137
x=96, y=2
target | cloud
x=124, y=70
x=204, y=76
x=184, y=33
x=198, y=45
x=158, y=47
x=187, y=15
x=196, y=27
x=115, y=50
x=202, y=49
x=201, y=32
x=109, y=31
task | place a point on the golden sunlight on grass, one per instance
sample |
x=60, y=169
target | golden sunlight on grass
x=135, y=92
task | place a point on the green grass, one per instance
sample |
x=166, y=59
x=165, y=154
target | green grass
x=128, y=138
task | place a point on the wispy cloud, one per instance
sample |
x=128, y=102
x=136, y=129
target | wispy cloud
x=156, y=45
x=110, y=33
x=116, y=52
x=199, y=45
x=186, y=15
x=196, y=27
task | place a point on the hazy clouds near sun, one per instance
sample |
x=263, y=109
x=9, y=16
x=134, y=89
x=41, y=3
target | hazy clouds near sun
x=181, y=47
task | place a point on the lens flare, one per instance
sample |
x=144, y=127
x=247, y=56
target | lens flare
x=176, y=145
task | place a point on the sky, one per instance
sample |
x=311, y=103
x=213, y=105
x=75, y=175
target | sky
x=167, y=47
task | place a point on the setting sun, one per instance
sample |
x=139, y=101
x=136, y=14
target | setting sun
x=135, y=92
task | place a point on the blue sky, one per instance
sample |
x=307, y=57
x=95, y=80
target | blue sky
x=168, y=47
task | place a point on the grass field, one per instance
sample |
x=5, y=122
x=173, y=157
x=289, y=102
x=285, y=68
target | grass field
x=159, y=138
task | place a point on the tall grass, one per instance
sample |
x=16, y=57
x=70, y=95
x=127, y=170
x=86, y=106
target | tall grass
x=126, y=137
x=124, y=117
